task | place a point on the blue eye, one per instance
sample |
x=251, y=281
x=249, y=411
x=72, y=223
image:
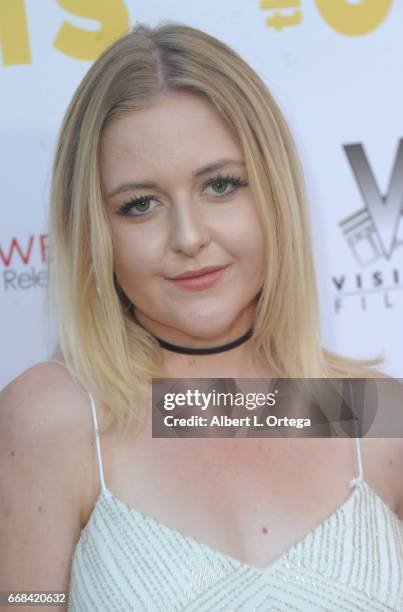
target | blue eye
x=138, y=203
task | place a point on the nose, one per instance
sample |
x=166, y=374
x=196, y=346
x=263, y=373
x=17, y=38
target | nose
x=188, y=230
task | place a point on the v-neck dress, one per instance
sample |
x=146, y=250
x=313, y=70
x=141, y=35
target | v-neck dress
x=125, y=560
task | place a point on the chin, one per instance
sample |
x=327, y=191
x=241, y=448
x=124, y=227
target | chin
x=210, y=327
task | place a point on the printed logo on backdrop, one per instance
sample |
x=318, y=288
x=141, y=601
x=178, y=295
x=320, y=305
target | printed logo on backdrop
x=111, y=17
x=348, y=17
x=23, y=263
x=374, y=233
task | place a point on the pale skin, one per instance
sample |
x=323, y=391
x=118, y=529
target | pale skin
x=186, y=226
x=199, y=483
x=251, y=499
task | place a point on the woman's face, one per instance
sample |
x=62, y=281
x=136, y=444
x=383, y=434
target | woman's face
x=190, y=219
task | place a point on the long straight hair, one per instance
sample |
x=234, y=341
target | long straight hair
x=98, y=339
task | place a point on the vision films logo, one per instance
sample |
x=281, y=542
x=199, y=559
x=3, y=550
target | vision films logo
x=374, y=235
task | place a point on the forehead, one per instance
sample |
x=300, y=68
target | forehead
x=180, y=130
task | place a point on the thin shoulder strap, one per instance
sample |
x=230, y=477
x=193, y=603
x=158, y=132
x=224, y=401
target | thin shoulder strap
x=359, y=477
x=98, y=443
x=96, y=429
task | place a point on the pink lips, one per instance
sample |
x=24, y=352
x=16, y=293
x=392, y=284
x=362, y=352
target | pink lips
x=204, y=281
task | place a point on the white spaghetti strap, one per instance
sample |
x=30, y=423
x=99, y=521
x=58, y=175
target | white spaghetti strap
x=98, y=444
x=359, y=477
x=95, y=422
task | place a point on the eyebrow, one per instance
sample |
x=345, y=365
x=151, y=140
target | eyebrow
x=152, y=185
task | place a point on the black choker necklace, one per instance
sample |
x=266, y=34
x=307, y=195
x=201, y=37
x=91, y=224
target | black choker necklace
x=204, y=351
x=197, y=351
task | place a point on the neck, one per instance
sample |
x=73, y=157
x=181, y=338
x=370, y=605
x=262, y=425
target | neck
x=231, y=355
x=221, y=348
x=237, y=363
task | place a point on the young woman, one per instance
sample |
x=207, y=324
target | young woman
x=173, y=158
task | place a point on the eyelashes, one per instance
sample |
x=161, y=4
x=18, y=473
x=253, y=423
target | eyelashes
x=132, y=203
x=218, y=180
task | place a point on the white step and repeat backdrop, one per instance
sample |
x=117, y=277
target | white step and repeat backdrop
x=334, y=66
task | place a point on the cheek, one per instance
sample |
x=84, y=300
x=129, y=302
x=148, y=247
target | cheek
x=134, y=261
x=251, y=246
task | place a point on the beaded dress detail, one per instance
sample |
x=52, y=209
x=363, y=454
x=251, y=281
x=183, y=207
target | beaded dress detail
x=126, y=561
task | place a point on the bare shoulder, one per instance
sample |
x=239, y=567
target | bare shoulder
x=384, y=441
x=47, y=397
x=390, y=393
x=46, y=404
x=45, y=433
x=43, y=392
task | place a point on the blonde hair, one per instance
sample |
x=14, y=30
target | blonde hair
x=111, y=355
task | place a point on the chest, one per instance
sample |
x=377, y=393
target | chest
x=251, y=499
